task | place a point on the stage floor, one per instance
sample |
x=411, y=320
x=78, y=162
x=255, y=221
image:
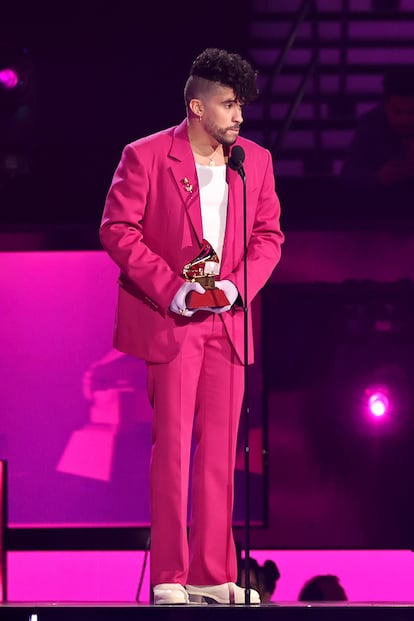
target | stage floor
x=289, y=611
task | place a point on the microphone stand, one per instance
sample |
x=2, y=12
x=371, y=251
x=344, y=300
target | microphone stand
x=242, y=174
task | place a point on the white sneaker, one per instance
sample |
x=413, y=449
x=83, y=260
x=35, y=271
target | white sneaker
x=227, y=593
x=170, y=593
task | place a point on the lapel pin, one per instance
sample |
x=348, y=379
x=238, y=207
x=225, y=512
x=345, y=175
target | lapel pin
x=187, y=184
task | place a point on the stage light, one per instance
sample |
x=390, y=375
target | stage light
x=16, y=109
x=15, y=73
x=9, y=78
x=380, y=401
x=378, y=404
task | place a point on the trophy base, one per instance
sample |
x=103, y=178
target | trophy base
x=211, y=298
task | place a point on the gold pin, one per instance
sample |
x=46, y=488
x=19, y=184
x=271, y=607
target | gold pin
x=187, y=184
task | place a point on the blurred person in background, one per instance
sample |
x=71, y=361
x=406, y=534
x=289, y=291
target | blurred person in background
x=263, y=578
x=323, y=588
x=381, y=152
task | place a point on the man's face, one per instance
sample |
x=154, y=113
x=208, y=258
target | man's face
x=400, y=114
x=222, y=115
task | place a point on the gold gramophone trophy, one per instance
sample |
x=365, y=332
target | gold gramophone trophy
x=195, y=272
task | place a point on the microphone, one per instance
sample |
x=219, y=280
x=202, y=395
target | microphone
x=236, y=160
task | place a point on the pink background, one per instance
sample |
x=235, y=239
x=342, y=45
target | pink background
x=76, y=422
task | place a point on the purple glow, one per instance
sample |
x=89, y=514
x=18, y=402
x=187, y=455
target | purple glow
x=8, y=78
x=378, y=404
x=104, y=421
x=378, y=401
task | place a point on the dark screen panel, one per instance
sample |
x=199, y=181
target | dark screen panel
x=341, y=477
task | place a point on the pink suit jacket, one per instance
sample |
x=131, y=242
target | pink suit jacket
x=151, y=227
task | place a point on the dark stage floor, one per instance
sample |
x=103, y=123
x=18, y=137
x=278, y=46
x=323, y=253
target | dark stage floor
x=350, y=611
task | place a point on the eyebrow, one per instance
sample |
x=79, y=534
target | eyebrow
x=236, y=101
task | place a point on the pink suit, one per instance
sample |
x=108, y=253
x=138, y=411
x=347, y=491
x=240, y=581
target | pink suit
x=152, y=227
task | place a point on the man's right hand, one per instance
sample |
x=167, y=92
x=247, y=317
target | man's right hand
x=178, y=304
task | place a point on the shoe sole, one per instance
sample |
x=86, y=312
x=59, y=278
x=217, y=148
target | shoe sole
x=206, y=600
x=169, y=603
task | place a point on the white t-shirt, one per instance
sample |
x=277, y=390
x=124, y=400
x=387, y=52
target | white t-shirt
x=213, y=198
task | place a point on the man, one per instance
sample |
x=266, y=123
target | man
x=171, y=191
x=381, y=153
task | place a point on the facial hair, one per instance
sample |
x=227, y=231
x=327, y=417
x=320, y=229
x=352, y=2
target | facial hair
x=220, y=135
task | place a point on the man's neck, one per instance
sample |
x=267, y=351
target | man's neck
x=206, y=150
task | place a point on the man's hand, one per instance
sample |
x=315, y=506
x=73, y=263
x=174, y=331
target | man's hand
x=231, y=293
x=178, y=304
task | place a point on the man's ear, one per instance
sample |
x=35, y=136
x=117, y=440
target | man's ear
x=196, y=107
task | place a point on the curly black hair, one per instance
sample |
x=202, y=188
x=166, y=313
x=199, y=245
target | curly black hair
x=323, y=588
x=271, y=574
x=229, y=69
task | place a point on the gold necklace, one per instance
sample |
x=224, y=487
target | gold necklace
x=210, y=158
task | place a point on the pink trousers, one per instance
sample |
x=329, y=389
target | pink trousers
x=197, y=400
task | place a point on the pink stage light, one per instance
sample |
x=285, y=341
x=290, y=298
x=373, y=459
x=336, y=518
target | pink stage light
x=378, y=402
x=9, y=79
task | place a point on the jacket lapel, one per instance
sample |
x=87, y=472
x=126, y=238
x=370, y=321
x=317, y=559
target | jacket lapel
x=184, y=172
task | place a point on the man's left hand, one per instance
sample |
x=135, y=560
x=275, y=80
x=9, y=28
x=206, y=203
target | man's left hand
x=231, y=293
